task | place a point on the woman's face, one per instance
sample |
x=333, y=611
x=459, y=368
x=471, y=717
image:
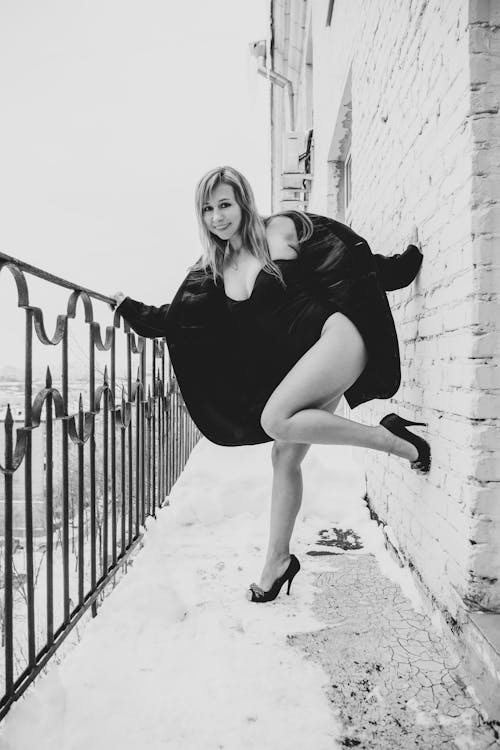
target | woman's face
x=221, y=214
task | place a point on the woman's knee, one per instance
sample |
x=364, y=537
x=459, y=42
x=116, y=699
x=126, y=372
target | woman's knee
x=289, y=455
x=273, y=423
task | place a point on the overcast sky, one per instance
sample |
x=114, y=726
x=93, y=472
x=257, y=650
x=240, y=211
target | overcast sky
x=111, y=110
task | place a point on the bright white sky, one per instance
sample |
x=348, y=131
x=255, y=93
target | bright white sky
x=111, y=111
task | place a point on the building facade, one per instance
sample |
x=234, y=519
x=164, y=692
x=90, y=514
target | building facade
x=385, y=116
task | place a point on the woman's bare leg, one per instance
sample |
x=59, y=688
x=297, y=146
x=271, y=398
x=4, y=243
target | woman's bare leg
x=325, y=372
x=286, y=499
x=300, y=412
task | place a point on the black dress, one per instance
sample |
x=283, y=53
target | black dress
x=228, y=356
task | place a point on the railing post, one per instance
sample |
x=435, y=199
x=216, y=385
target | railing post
x=149, y=417
x=161, y=417
x=49, y=511
x=113, y=447
x=85, y=493
x=81, y=516
x=153, y=431
x=93, y=510
x=105, y=440
x=129, y=436
x=8, y=555
x=137, y=455
x=65, y=477
x=142, y=378
x=28, y=385
x=123, y=474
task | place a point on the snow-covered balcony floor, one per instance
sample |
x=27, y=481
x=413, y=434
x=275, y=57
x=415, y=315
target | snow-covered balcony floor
x=178, y=659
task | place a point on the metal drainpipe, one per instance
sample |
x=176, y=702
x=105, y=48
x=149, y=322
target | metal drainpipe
x=271, y=105
x=280, y=80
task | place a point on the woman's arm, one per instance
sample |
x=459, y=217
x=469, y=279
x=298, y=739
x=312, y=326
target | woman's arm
x=399, y=270
x=394, y=271
x=146, y=320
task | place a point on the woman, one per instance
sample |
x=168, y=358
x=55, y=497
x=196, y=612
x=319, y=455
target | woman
x=270, y=328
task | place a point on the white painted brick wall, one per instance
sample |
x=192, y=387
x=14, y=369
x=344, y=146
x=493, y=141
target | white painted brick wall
x=426, y=150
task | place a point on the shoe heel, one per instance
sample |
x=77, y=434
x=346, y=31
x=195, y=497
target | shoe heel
x=256, y=594
x=391, y=418
x=290, y=581
x=407, y=423
x=397, y=425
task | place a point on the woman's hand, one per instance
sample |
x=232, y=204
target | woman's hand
x=413, y=236
x=118, y=297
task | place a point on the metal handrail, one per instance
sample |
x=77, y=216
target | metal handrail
x=46, y=276
x=114, y=466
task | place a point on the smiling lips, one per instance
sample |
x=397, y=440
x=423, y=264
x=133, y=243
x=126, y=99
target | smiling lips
x=221, y=229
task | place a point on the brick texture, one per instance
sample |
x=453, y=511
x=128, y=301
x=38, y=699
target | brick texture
x=424, y=86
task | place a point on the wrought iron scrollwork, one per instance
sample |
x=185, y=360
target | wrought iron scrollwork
x=116, y=462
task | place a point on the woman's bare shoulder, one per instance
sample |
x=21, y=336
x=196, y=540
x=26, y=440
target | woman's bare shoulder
x=281, y=224
x=281, y=236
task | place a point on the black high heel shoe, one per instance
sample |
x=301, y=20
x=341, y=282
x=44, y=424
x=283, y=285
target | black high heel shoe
x=256, y=594
x=397, y=425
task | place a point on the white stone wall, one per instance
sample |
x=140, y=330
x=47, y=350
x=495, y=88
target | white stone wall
x=426, y=150
x=484, y=41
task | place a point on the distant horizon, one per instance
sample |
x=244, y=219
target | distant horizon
x=37, y=375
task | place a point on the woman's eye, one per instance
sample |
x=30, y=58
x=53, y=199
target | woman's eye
x=221, y=205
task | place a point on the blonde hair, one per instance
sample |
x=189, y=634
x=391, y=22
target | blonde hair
x=252, y=229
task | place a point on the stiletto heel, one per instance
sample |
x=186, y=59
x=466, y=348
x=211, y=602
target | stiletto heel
x=256, y=594
x=291, y=579
x=397, y=425
x=406, y=422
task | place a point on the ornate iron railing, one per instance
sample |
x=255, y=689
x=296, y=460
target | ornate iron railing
x=112, y=465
